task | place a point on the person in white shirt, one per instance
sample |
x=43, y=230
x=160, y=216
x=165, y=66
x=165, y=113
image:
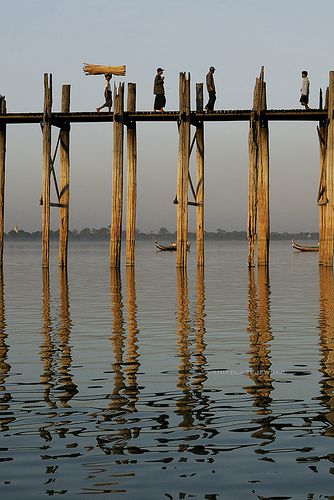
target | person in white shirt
x=305, y=90
x=107, y=93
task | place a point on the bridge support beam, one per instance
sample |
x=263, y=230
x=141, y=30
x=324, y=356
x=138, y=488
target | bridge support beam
x=46, y=169
x=199, y=178
x=2, y=175
x=117, y=178
x=258, y=228
x=131, y=179
x=326, y=190
x=183, y=171
x=64, y=179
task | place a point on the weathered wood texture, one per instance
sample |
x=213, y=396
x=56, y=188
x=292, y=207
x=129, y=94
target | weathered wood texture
x=117, y=178
x=322, y=197
x=131, y=179
x=225, y=115
x=2, y=175
x=46, y=169
x=263, y=186
x=64, y=180
x=326, y=244
x=199, y=178
x=258, y=178
x=183, y=171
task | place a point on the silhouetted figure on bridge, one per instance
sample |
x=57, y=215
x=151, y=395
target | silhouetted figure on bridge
x=159, y=91
x=305, y=90
x=107, y=93
x=210, y=85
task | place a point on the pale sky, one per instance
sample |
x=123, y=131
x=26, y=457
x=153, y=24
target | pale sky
x=235, y=36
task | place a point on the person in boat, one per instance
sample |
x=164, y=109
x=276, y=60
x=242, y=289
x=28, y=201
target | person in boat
x=159, y=91
x=107, y=93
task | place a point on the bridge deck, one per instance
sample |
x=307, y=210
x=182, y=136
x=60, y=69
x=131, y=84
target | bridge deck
x=146, y=116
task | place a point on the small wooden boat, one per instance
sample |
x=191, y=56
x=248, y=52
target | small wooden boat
x=170, y=247
x=304, y=248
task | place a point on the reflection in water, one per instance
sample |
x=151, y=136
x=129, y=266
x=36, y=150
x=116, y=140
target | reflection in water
x=47, y=348
x=5, y=397
x=66, y=385
x=200, y=359
x=56, y=353
x=259, y=351
x=326, y=328
x=125, y=366
x=132, y=361
x=185, y=403
x=191, y=374
x=118, y=400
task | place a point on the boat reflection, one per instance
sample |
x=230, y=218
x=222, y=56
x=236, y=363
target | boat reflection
x=326, y=332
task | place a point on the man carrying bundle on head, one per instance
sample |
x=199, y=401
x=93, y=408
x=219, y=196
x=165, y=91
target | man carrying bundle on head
x=107, y=93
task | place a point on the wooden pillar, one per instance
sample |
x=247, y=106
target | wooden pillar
x=263, y=184
x=199, y=178
x=131, y=178
x=64, y=179
x=258, y=178
x=46, y=168
x=326, y=244
x=117, y=178
x=2, y=175
x=183, y=171
x=322, y=198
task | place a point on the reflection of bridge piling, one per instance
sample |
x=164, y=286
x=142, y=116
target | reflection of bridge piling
x=2, y=174
x=258, y=173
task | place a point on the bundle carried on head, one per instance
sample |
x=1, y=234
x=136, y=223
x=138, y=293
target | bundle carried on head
x=98, y=69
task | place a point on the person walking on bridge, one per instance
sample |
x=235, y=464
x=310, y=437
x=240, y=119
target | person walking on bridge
x=159, y=91
x=305, y=90
x=107, y=93
x=210, y=85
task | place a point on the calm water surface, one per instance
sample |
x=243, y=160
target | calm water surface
x=154, y=383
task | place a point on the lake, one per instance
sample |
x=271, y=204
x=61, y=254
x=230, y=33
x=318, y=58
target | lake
x=156, y=383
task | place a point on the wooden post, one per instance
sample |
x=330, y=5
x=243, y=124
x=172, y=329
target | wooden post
x=183, y=171
x=263, y=183
x=322, y=197
x=326, y=244
x=117, y=179
x=2, y=175
x=46, y=168
x=131, y=178
x=252, y=179
x=258, y=178
x=199, y=178
x=64, y=179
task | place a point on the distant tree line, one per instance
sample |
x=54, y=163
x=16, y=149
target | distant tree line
x=162, y=235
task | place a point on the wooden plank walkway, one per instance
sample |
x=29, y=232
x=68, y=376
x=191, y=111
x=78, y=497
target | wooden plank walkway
x=58, y=119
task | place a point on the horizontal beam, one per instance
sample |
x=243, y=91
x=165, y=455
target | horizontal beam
x=59, y=119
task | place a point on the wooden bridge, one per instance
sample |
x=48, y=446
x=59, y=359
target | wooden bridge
x=258, y=166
